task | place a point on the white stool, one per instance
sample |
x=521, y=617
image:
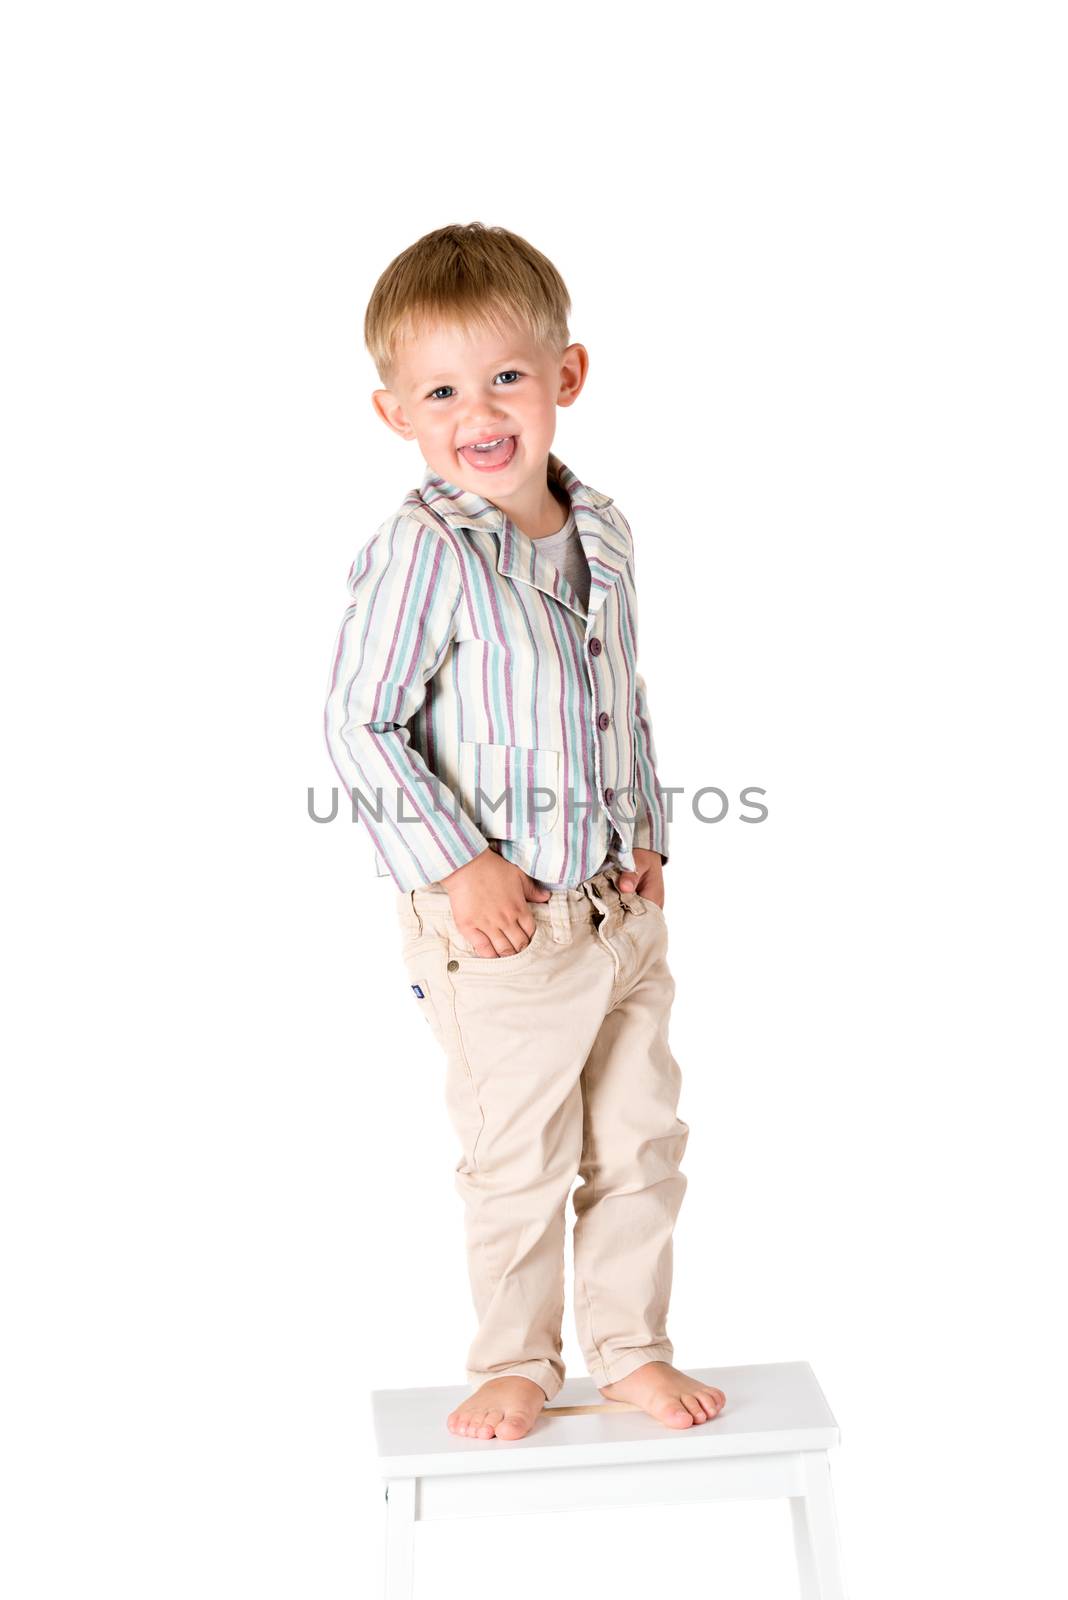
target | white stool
x=770, y=1441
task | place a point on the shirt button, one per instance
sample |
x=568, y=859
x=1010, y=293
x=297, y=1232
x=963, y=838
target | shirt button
x=595, y=647
x=603, y=720
x=609, y=796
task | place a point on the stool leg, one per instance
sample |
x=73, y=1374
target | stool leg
x=816, y=1532
x=400, y=1537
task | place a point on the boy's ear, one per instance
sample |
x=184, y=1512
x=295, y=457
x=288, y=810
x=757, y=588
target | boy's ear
x=574, y=366
x=391, y=411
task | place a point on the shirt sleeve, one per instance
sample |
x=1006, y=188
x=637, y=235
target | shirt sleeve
x=651, y=820
x=406, y=591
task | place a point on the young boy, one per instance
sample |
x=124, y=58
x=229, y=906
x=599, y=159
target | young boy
x=487, y=716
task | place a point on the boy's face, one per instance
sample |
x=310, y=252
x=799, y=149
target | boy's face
x=453, y=387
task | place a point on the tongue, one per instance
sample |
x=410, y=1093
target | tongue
x=488, y=458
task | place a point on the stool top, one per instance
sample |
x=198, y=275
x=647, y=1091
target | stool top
x=774, y=1407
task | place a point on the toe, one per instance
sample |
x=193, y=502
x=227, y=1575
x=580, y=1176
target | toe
x=490, y=1423
x=513, y=1425
x=713, y=1401
x=675, y=1414
x=694, y=1407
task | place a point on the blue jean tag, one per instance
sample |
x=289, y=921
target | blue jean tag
x=418, y=992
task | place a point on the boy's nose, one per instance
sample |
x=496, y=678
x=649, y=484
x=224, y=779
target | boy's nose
x=481, y=415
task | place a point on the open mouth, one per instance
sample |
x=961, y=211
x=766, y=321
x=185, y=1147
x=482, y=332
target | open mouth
x=491, y=458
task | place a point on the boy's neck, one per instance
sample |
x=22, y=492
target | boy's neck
x=538, y=514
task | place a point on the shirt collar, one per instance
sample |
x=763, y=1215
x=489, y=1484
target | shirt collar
x=463, y=508
x=605, y=540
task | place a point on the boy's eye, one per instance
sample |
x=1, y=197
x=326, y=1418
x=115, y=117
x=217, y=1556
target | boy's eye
x=510, y=373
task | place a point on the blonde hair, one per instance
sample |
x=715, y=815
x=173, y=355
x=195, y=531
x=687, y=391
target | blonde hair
x=468, y=274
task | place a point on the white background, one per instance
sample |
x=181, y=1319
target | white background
x=817, y=255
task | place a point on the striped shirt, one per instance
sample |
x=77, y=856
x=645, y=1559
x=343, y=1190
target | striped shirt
x=476, y=701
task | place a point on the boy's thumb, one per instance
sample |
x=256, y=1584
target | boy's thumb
x=534, y=891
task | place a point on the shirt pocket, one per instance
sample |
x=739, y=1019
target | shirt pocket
x=520, y=795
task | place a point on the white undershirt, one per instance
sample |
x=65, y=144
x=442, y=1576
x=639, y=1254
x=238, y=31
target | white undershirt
x=564, y=550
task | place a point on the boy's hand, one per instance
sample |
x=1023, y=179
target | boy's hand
x=649, y=878
x=488, y=897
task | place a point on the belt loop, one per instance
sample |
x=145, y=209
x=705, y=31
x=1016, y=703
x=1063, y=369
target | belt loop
x=559, y=918
x=629, y=899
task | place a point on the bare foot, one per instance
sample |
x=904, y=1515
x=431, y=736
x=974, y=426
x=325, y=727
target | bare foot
x=667, y=1394
x=502, y=1408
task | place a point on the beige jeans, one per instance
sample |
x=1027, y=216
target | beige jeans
x=557, y=1066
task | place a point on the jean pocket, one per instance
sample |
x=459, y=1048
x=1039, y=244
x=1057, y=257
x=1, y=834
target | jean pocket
x=462, y=959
